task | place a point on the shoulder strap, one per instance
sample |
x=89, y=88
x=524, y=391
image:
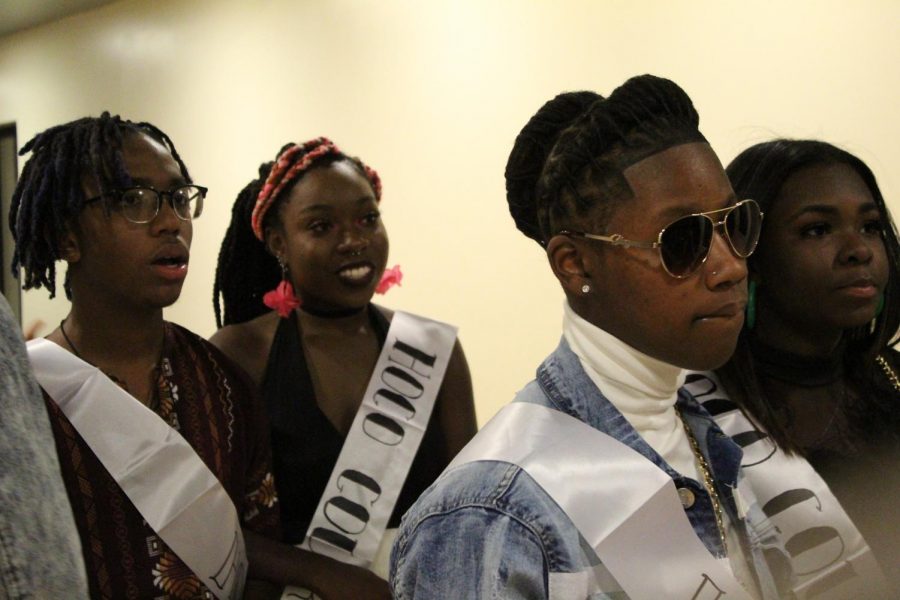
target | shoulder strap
x=383, y=440
x=172, y=488
x=827, y=553
x=623, y=505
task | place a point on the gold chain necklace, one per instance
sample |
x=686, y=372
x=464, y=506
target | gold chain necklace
x=891, y=375
x=708, y=482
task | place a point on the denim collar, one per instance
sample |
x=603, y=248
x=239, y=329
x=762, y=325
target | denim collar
x=570, y=390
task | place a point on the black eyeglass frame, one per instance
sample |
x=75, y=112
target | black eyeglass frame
x=616, y=239
x=117, y=193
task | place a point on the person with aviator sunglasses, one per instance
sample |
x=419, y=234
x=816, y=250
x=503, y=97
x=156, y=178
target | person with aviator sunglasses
x=604, y=478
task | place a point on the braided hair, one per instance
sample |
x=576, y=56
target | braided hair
x=246, y=270
x=50, y=194
x=571, y=156
x=530, y=152
x=760, y=172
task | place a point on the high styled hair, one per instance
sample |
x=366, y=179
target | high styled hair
x=246, y=270
x=50, y=192
x=760, y=172
x=570, y=158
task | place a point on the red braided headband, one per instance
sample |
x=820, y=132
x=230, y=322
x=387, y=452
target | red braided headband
x=283, y=172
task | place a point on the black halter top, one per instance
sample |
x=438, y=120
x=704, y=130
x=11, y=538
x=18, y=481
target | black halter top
x=305, y=444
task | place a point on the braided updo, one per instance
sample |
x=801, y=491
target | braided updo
x=572, y=154
x=530, y=152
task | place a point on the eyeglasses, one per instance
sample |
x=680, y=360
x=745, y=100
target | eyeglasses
x=141, y=204
x=684, y=244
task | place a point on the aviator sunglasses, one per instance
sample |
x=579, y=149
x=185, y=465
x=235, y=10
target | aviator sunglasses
x=684, y=244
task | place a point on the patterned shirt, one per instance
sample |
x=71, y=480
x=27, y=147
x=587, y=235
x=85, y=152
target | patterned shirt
x=213, y=405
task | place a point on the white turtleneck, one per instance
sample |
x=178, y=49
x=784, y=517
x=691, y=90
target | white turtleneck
x=644, y=390
x=641, y=387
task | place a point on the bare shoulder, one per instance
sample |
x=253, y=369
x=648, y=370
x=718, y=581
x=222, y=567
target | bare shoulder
x=456, y=403
x=248, y=344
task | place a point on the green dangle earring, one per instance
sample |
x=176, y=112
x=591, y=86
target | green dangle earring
x=874, y=322
x=750, y=318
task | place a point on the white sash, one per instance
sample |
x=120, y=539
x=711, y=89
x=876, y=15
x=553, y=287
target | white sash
x=172, y=488
x=623, y=505
x=829, y=556
x=349, y=523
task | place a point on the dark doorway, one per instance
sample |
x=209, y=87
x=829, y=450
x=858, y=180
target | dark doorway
x=9, y=172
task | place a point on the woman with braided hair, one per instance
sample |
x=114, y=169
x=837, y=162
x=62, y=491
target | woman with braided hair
x=814, y=367
x=604, y=479
x=367, y=406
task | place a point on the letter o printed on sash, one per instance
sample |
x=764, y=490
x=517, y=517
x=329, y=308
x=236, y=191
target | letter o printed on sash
x=362, y=480
x=815, y=549
x=402, y=382
x=696, y=380
x=347, y=515
x=333, y=539
x=758, y=447
x=812, y=549
x=397, y=399
x=383, y=429
x=788, y=499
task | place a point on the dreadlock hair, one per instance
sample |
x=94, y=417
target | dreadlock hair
x=246, y=270
x=570, y=157
x=760, y=172
x=50, y=194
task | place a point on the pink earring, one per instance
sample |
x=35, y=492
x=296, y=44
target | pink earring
x=389, y=279
x=282, y=298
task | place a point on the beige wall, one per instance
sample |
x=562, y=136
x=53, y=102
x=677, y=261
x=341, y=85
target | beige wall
x=432, y=94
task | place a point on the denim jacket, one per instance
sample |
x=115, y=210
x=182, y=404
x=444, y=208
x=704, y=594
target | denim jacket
x=40, y=554
x=485, y=529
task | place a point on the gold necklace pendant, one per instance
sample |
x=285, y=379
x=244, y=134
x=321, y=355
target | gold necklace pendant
x=708, y=482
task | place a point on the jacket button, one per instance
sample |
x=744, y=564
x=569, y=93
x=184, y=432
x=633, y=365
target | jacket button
x=686, y=496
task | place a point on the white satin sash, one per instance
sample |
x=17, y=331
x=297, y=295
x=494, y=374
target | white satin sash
x=172, y=488
x=830, y=558
x=624, y=506
x=349, y=523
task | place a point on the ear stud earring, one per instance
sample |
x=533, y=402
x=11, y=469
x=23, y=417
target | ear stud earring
x=586, y=289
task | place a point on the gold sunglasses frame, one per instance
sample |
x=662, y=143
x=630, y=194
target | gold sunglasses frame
x=616, y=239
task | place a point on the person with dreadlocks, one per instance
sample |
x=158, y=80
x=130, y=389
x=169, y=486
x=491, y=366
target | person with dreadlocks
x=163, y=447
x=603, y=478
x=814, y=367
x=366, y=405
